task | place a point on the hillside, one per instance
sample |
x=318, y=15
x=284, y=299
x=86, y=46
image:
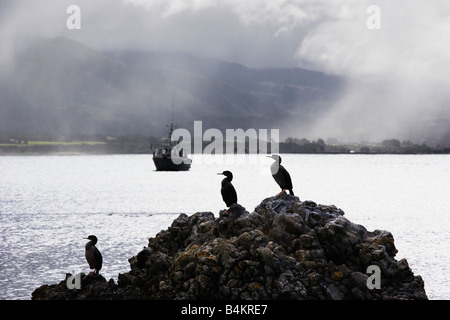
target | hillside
x=61, y=87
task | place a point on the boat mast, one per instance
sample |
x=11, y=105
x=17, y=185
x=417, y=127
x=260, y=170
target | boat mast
x=171, y=124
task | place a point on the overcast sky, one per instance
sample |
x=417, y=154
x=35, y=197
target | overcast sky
x=330, y=35
x=409, y=57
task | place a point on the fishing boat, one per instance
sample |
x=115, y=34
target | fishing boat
x=169, y=156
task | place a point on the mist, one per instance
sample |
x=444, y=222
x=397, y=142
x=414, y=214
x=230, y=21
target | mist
x=398, y=73
x=401, y=70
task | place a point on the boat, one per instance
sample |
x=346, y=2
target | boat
x=164, y=155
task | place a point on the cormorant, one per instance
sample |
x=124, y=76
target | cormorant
x=281, y=176
x=229, y=195
x=93, y=255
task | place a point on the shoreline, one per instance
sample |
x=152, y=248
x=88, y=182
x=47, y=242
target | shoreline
x=142, y=144
x=108, y=149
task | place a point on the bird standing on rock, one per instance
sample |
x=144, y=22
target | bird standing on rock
x=228, y=192
x=281, y=176
x=93, y=255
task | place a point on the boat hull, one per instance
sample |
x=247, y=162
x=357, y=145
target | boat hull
x=166, y=164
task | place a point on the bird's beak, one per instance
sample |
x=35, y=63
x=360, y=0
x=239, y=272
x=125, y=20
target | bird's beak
x=219, y=173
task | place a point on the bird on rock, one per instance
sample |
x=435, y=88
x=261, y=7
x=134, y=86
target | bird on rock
x=281, y=175
x=93, y=255
x=228, y=192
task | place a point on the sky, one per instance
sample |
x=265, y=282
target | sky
x=405, y=58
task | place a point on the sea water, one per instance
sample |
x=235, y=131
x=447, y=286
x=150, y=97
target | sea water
x=49, y=203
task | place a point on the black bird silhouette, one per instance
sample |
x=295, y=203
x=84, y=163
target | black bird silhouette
x=93, y=255
x=228, y=192
x=281, y=176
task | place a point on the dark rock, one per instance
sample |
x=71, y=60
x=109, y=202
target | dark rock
x=285, y=249
x=92, y=287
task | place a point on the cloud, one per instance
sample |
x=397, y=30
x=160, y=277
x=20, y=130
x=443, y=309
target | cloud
x=412, y=34
x=331, y=35
x=404, y=66
x=282, y=13
x=255, y=33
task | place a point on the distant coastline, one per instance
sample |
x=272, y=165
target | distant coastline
x=139, y=144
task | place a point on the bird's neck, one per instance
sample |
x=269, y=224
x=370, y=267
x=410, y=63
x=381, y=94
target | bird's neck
x=90, y=244
x=274, y=167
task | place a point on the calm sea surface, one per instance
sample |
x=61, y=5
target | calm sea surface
x=48, y=204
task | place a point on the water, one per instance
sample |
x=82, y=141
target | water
x=49, y=203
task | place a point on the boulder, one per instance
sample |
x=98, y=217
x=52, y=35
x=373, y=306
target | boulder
x=284, y=249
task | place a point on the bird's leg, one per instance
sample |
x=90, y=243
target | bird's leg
x=281, y=193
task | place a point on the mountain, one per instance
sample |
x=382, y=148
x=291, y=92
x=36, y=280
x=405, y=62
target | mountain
x=62, y=87
x=284, y=86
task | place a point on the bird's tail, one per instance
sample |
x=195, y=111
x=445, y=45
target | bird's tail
x=291, y=191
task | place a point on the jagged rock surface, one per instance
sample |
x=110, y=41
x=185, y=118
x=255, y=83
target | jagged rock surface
x=285, y=249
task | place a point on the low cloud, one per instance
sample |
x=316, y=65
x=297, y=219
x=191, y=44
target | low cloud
x=400, y=71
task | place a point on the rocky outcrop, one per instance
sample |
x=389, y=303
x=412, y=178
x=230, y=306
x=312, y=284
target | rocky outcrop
x=284, y=249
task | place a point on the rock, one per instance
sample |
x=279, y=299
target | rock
x=285, y=249
x=92, y=287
